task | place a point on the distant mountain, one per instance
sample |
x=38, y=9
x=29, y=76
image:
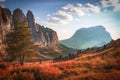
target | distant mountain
x=88, y=37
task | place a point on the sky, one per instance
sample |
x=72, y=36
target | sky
x=67, y=16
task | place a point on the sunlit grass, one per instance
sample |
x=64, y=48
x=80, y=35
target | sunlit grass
x=93, y=67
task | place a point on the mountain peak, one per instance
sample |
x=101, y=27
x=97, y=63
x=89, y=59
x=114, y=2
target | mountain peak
x=18, y=15
x=30, y=16
x=41, y=35
x=88, y=38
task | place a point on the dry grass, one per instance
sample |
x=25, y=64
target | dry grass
x=101, y=67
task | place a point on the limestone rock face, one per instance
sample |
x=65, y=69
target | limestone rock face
x=41, y=35
x=5, y=22
x=47, y=36
x=18, y=16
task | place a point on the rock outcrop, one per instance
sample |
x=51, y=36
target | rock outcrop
x=41, y=35
x=18, y=17
x=5, y=23
x=31, y=23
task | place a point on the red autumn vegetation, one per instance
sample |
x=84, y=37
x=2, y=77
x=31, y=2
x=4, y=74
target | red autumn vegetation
x=99, y=66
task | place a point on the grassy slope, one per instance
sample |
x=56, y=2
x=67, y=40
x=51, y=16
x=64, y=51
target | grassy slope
x=56, y=51
x=104, y=66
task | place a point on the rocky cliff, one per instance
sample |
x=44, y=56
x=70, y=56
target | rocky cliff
x=18, y=16
x=41, y=35
x=5, y=22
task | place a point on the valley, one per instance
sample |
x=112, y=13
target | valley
x=59, y=40
x=100, y=65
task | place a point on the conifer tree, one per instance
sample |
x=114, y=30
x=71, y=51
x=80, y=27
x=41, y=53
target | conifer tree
x=18, y=41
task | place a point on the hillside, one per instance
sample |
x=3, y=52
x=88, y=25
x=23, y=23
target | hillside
x=40, y=35
x=56, y=51
x=104, y=65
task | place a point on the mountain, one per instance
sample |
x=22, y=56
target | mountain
x=88, y=37
x=46, y=38
x=41, y=35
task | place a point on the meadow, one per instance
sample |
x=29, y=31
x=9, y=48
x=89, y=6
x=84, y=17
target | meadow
x=100, y=66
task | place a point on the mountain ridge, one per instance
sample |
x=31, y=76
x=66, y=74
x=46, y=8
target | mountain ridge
x=40, y=35
x=88, y=37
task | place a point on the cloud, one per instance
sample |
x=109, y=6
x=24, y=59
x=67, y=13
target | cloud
x=60, y=17
x=80, y=9
x=90, y=7
x=2, y=0
x=65, y=14
x=76, y=9
x=111, y=3
x=37, y=17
